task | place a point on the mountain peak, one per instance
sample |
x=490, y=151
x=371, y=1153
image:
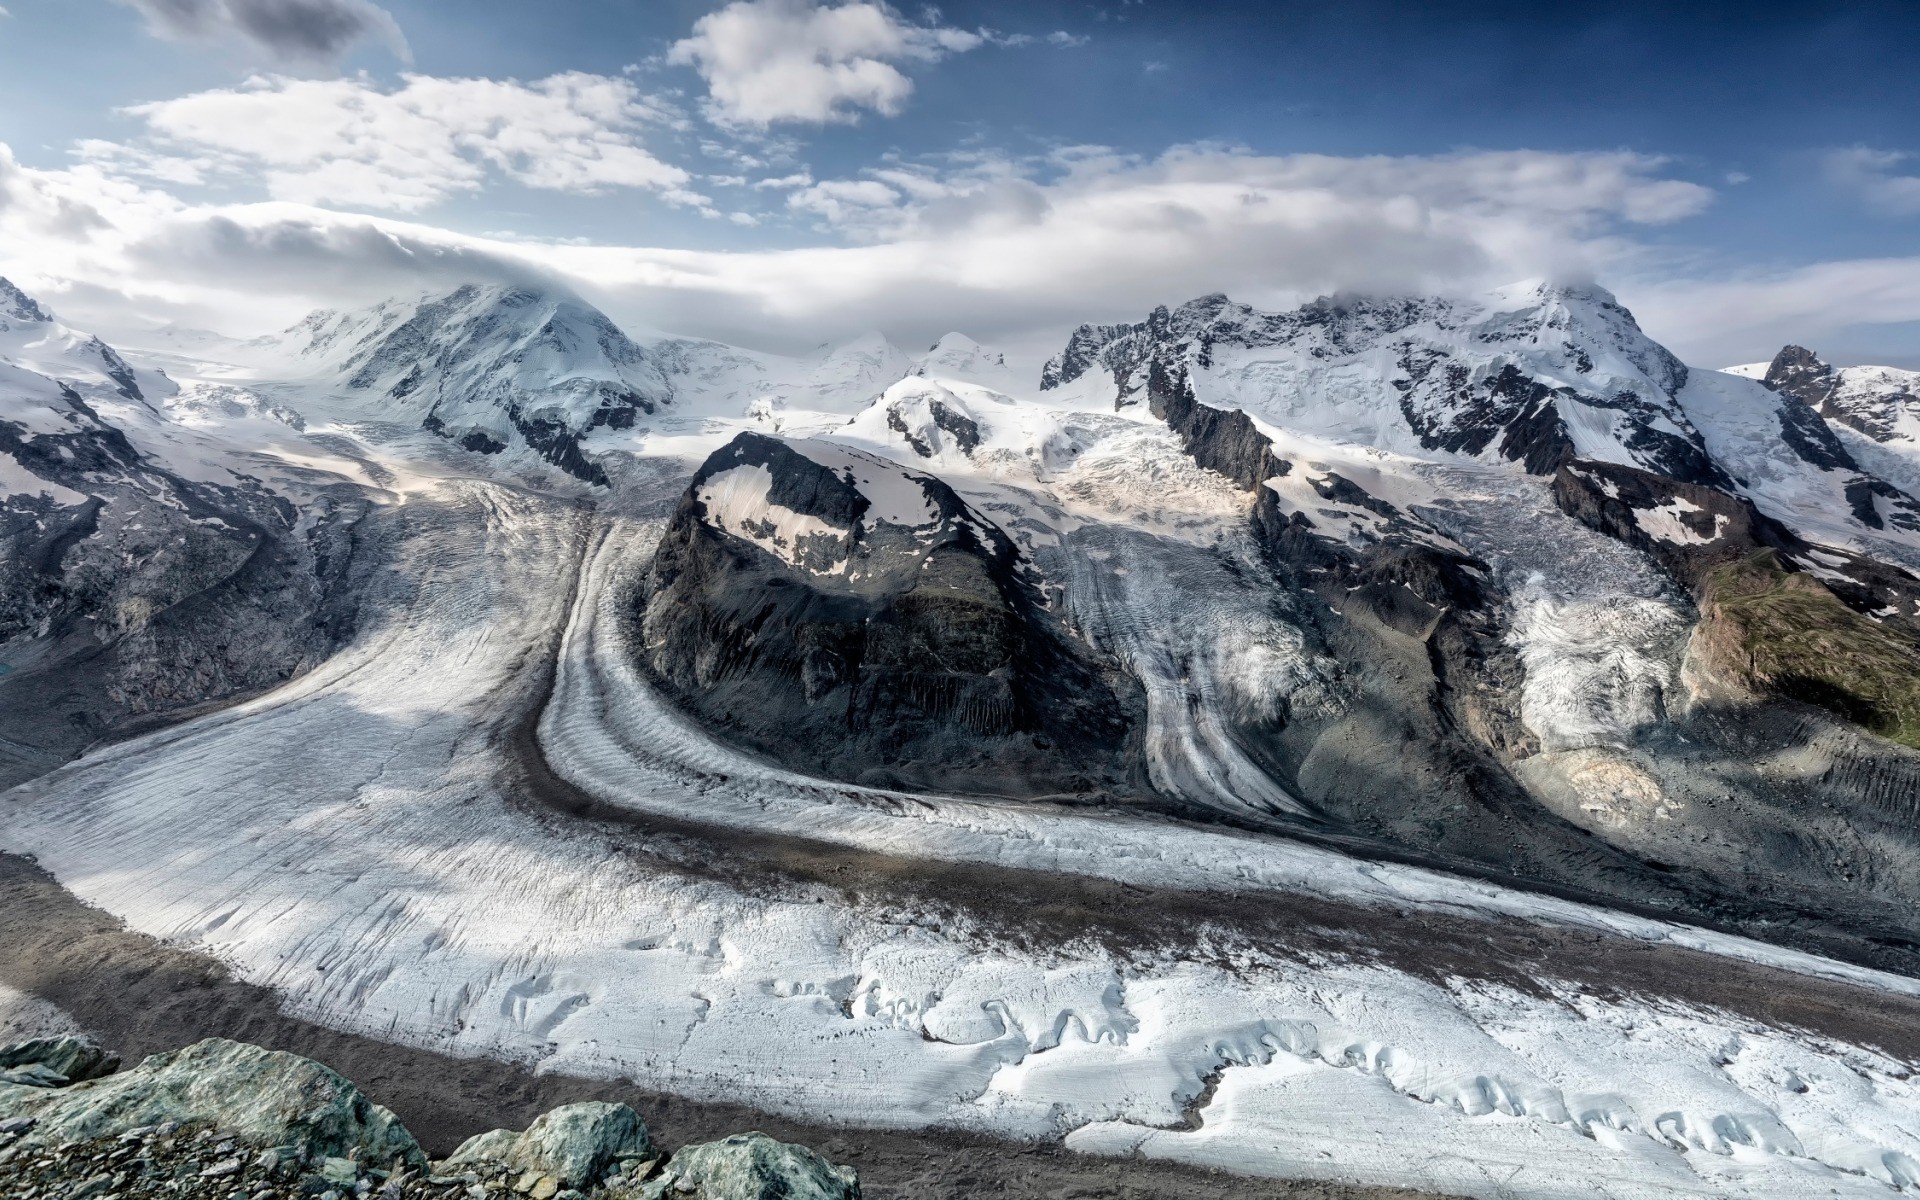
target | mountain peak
x=19, y=306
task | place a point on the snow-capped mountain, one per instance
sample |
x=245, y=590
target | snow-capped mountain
x=957, y=356
x=1881, y=402
x=491, y=368
x=1534, y=374
x=1455, y=712
x=133, y=584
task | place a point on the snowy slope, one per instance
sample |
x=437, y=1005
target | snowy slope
x=1533, y=374
x=488, y=367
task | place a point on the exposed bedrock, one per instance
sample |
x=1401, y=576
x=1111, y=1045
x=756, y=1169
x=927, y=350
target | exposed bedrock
x=855, y=619
x=1753, y=799
x=147, y=595
x=1779, y=618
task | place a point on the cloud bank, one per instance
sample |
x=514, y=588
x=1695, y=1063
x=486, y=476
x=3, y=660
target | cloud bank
x=1003, y=249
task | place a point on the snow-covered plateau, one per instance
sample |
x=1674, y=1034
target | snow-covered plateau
x=1470, y=828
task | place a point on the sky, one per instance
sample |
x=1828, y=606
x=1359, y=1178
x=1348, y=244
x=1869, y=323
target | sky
x=779, y=173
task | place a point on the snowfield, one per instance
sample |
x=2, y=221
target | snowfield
x=366, y=839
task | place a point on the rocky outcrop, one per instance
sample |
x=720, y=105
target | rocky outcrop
x=1876, y=401
x=261, y=1097
x=857, y=619
x=752, y=1166
x=56, y=1061
x=578, y=1146
x=220, y=1119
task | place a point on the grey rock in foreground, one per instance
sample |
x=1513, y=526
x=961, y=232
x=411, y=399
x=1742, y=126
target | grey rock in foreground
x=262, y=1096
x=752, y=1166
x=72, y=1058
x=578, y=1145
x=225, y=1119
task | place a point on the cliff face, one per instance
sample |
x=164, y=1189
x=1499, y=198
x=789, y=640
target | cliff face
x=853, y=618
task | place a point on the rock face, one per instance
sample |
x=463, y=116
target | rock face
x=264, y=1096
x=752, y=1166
x=860, y=620
x=578, y=1146
x=129, y=591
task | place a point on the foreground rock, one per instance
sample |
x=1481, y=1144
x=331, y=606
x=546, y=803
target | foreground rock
x=752, y=1166
x=225, y=1119
x=577, y=1146
x=55, y=1061
x=262, y=1097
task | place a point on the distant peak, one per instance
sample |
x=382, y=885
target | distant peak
x=18, y=305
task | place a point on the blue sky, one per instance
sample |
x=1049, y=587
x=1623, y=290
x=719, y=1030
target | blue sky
x=1737, y=172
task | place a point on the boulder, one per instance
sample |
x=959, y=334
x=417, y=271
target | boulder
x=75, y=1058
x=751, y=1166
x=576, y=1145
x=262, y=1096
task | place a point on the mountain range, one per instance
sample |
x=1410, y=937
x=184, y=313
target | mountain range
x=1493, y=590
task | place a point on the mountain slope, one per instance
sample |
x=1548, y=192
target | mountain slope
x=129, y=590
x=1573, y=589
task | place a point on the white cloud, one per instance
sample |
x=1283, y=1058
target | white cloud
x=795, y=60
x=349, y=142
x=1870, y=175
x=1006, y=250
x=843, y=200
x=1748, y=317
x=292, y=31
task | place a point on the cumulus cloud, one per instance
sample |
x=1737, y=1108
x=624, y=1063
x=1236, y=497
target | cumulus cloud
x=291, y=31
x=1874, y=176
x=351, y=142
x=796, y=60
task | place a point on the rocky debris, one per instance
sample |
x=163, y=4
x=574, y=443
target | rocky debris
x=860, y=620
x=230, y=1121
x=73, y=1058
x=752, y=1166
x=576, y=1146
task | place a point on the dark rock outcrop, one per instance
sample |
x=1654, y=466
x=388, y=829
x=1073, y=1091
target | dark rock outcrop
x=858, y=620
